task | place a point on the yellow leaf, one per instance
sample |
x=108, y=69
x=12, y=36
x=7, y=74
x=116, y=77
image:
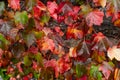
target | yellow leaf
x=103, y=3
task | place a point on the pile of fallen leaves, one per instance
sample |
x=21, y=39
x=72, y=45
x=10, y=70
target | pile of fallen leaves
x=56, y=40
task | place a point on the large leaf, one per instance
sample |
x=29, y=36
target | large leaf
x=2, y=7
x=21, y=17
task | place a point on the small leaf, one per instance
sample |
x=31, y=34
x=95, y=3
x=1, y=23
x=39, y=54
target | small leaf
x=21, y=17
x=94, y=72
x=5, y=28
x=2, y=7
x=39, y=59
x=39, y=34
x=45, y=18
x=80, y=70
x=27, y=61
x=15, y=4
x=114, y=52
x=30, y=4
x=103, y=3
x=3, y=42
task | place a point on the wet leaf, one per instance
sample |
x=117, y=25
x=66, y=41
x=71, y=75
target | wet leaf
x=21, y=17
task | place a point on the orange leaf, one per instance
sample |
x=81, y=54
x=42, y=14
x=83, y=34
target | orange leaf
x=14, y=4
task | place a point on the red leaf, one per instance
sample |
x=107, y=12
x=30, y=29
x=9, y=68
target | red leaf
x=106, y=69
x=52, y=63
x=83, y=78
x=37, y=12
x=1, y=53
x=52, y=8
x=41, y=6
x=14, y=4
x=33, y=50
x=48, y=44
x=63, y=64
x=101, y=42
x=94, y=18
x=74, y=33
x=25, y=78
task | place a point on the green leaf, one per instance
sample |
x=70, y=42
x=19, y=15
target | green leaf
x=99, y=76
x=45, y=18
x=21, y=17
x=39, y=59
x=94, y=72
x=30, y=39
x=3, y=74
x=39, y=34
x=80, y=70
x=27, y=61
x=30, y=4
x=3, y=42
x=2, y=7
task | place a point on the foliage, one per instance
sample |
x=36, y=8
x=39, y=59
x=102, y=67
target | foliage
x=56, y=40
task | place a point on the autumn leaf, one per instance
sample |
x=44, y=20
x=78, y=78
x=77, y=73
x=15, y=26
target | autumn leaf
x=101, y=42
x=14, y=4
x=52, y=63
x=72, y=52
x=94, y=18
x=74, y=33
x=106, y=69
x=103, y=3
x=52, y=8
x=1, y=53
x=114, y=52
x=117, y=23
x=48, y=44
